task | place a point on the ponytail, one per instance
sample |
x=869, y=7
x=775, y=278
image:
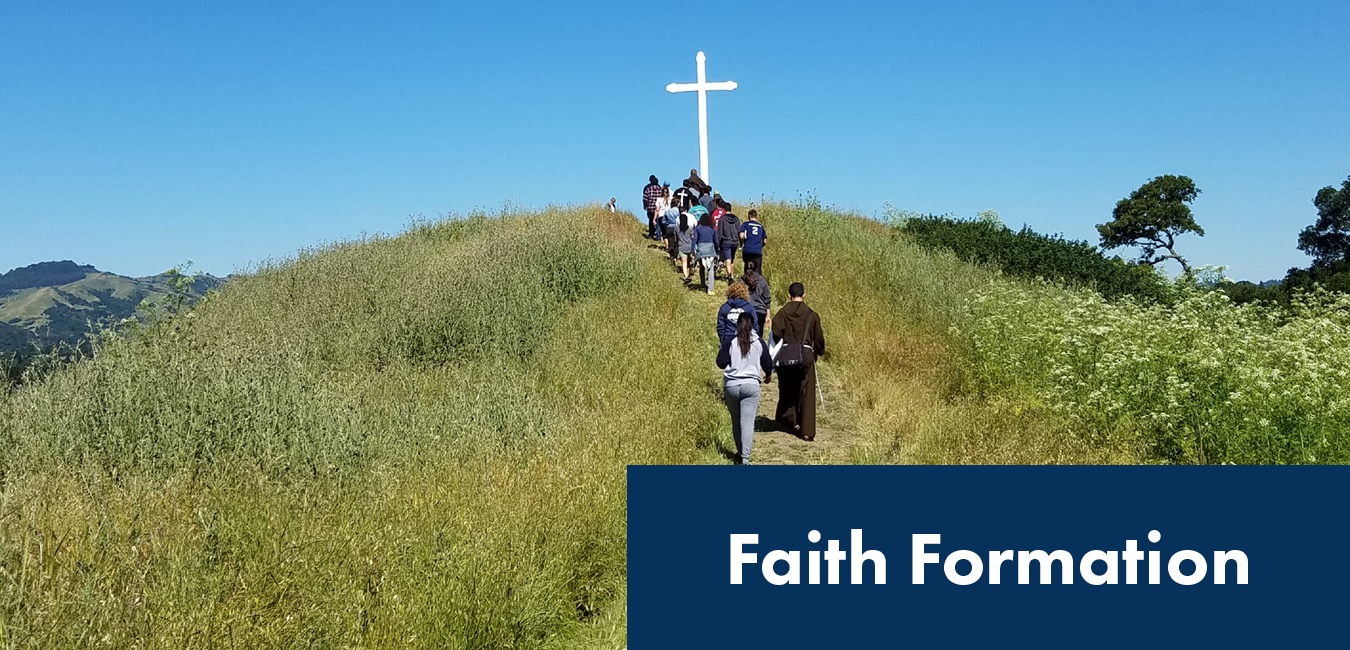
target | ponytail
x=745, y=330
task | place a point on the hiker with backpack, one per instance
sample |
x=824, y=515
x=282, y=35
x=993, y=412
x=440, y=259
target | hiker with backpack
x=742, y=357
x=733, y=310
x=705, y=246
x=753, y=238
x=728, y=239
x=798, y=327
x=758, y=288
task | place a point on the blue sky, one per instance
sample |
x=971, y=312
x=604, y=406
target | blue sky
x=137, y=135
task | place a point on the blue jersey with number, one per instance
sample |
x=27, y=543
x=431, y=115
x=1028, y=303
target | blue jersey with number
x=754, y=236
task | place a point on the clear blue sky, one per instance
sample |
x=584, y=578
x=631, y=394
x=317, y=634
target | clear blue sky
x=135, y=135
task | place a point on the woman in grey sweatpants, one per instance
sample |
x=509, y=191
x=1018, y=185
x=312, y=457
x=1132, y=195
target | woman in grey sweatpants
x=741, y=359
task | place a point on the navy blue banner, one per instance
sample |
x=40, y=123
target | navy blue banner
x=1046, y=556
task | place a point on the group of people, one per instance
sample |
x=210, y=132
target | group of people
x=699, y=230
x=696, y=225
x=744, y=356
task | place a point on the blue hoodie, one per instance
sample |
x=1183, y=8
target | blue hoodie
x=732, y=310
x=705, y=241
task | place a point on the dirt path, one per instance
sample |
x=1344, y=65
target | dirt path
x=773, y=446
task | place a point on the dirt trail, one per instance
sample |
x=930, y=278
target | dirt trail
x=773, y=446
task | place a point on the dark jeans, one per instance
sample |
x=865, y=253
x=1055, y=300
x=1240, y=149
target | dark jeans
x=757, y=258
x=652, y=232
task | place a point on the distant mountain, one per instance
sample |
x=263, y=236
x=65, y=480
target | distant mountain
x=43, y=274
x=48, y=303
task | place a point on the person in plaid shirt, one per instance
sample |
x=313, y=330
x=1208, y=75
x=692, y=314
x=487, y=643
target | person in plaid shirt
x=650, y=194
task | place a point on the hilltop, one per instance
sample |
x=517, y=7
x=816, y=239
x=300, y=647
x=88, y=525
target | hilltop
x=50, y=303
x=427, y=435
x=422, y=440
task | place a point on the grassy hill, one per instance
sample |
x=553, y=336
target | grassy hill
x=422, y=441
x=51, y=303
x=417, y=441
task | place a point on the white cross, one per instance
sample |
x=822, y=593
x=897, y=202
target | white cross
x=702, y=87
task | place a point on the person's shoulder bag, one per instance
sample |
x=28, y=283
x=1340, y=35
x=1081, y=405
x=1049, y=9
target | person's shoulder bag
x=794, y=354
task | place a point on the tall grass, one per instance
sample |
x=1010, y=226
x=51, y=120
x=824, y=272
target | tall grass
x=895, y=377
x=417, y=441
x=421, y=441
x=936, y=360
x=1201, y=381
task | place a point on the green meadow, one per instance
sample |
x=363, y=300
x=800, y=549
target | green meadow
x=416, y=441
x=422, y=440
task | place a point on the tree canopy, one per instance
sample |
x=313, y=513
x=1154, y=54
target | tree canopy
x=1328, y=240
x=1152, y=217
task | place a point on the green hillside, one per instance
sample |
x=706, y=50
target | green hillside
x=51, y=303
x=417, y=441
x=43, y=274
x=422, y=441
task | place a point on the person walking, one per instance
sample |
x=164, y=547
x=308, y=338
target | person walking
x=753, y=238
x=707, y=201
x=705, y=247
x=728, y=240
x=650, y=194
x=613, y=205
x=758, y=288
x=662, y=202
x=670, y=223
x=733, y=310
x=684, y=242
x=742, y=357
x=682, y=198
x=696, y=184
x=798, y=327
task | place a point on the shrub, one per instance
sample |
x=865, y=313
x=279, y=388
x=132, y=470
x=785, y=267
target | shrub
x=1027, y=254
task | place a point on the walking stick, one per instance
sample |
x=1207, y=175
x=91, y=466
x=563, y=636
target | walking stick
x=819, y=394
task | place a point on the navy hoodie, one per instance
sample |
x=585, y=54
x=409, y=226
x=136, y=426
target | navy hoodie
x=733, y=309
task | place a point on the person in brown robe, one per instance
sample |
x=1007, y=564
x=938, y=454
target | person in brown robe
x=696, y=184
x=797, y=323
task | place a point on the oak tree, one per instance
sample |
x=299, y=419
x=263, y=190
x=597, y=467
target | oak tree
x=1328, y=240
x=1152, y=217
